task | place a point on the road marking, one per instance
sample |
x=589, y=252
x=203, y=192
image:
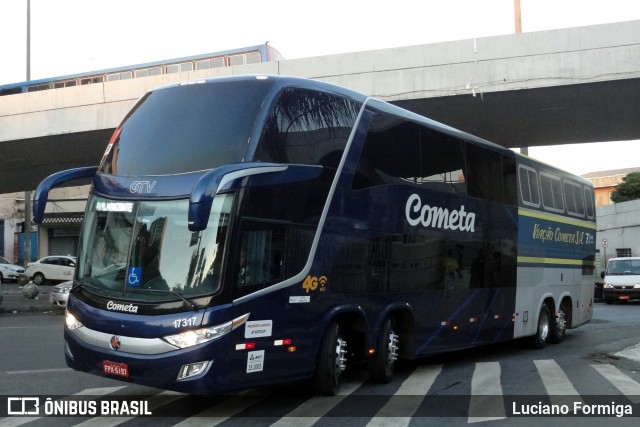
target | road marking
x=632, y=353
x=318, y=406
x=556, y=382
x=407, y=399
x=622, y=382
x=486, y=402
x=223, y=411
x=156, y=401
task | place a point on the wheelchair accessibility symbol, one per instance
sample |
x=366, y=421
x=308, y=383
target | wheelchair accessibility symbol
x=134, y=275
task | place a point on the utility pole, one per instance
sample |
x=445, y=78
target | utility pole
x=518, y=20
x=27, y=194
x=518, y=15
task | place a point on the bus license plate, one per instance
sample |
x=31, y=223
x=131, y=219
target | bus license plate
x=623, y=297
x=117, y=369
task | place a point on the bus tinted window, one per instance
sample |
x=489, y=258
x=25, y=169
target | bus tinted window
x=180, y=120
x=529, y=186
x=307, y=127
x=490, y=175
x=397, y=151
x=574, y=199
x=551, y=192
x=589, y=202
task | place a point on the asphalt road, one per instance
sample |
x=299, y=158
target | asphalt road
x=597, y=363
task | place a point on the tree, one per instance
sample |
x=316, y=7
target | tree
x=628, y=189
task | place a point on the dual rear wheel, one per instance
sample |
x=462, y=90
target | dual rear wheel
x=332, y=358
x=550, y=329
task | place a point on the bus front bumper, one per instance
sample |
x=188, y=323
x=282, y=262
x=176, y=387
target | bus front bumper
x=191, y=370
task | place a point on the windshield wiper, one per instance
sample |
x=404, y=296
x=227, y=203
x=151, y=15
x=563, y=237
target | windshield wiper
x=81, y=285
x=163, y=291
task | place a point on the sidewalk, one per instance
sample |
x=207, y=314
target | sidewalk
x=13, y=302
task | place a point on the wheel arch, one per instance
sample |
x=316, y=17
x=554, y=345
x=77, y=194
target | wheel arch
x=355, y=325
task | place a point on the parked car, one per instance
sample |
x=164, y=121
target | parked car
x=60, y=294
x=51, y=268
x=9, y=271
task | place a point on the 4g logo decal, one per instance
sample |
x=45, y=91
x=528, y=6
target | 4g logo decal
x=313, y=283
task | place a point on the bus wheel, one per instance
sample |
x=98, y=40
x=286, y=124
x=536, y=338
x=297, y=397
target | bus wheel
x=383, y=364
x=559, y=327
x=331, y=361
x=540, y=339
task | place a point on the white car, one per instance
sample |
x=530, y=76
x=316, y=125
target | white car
x=9, y=271
x=60, y=294
x=55, y=268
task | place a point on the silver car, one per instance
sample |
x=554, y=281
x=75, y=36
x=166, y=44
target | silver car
x=9, y=271
x=60, y=294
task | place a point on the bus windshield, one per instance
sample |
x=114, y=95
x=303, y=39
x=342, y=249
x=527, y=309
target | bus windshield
x=185, y=121
x=136, y=250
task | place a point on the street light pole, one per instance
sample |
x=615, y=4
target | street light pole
x=27, y=194
x=518, y=20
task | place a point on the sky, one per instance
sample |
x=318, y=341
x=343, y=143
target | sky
x=73, y=36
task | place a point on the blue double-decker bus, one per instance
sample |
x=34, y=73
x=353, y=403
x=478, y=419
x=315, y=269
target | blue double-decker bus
x=249, y=230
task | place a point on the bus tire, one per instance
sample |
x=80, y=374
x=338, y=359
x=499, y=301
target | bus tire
x=331, y=361
x=559, y=325
x=383, y=364
x=540, y=339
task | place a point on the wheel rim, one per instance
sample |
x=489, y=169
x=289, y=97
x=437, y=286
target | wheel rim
x=561, y=322
x=38, y=279
x=341, y=359
x=393, y=348
x=543, y=332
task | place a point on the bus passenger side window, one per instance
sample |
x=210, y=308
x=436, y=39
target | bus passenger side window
x=574, y=199
x=551, y=192
x=307, y=127
x=588, y=198
x=529, y=190
x=397, y=151
x=491, y=175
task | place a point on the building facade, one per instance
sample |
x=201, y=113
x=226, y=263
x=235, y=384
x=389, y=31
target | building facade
x=605, y=183
x=57, y=235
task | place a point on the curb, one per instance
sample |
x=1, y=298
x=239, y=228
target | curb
x=13, y=302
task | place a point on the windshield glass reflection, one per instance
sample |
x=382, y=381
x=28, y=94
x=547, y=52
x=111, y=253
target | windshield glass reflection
x=144, y=250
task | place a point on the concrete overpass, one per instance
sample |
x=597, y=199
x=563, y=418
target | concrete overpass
x=553, y=87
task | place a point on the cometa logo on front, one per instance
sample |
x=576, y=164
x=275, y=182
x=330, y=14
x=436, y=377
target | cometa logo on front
x=437, y=217
x=127, y=308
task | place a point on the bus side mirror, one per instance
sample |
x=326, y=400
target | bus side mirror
x=213, y=181
x=602, y=274
x=42, y=192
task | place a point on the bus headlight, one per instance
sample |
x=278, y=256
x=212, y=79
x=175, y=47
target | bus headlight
x=71, y=321
x=198, y=336
x=607, y=286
